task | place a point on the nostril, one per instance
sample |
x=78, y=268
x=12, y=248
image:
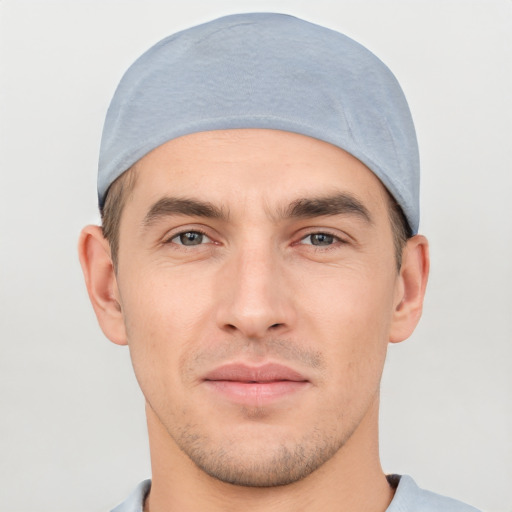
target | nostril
x=232, y=327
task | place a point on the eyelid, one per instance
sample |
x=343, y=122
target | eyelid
x=338, y=237
x=336, y=240
x=206, y=238
x=170, y=236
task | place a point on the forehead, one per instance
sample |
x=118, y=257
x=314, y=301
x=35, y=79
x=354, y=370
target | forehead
x=252, y=166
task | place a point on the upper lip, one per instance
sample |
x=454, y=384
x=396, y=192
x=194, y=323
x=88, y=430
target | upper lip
x=241, y=372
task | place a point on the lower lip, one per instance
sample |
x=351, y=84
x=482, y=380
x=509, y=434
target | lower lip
x=256, y=393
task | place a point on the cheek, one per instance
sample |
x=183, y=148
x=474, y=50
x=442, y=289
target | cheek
x=163, y=318
x=350, y=315
x=355, y=299
x=163, y=303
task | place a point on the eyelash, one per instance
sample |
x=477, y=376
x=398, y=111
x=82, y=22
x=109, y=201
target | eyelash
x=170, y=239
x=336, y=239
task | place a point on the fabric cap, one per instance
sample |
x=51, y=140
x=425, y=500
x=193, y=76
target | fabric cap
x=265, y=70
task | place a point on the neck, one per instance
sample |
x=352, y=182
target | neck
x=351, y=480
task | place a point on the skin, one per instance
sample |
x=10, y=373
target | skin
x=263, y=282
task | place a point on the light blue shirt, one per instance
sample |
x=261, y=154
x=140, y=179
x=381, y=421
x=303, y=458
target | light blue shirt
x=408, y=498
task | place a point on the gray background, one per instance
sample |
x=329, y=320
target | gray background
x=72, y=431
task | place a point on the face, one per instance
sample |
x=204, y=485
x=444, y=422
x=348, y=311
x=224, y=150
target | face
x=257, y=283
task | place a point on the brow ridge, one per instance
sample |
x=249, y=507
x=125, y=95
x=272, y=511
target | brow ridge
x=167, y=206
x=302, y=208
x=336, y=204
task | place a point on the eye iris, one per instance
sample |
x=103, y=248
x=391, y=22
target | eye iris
x=191, y=238
x=322, y=239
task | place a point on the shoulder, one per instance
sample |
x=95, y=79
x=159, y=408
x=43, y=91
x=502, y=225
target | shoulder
x=409, y=497
x=135, y=502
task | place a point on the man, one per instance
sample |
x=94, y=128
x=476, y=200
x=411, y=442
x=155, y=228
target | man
x=258, y=184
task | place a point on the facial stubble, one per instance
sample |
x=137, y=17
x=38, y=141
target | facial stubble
x=272, y=457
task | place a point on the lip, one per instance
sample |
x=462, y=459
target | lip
x=255, y=385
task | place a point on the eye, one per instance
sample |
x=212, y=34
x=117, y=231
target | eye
x=320, y=239
x=190, y=238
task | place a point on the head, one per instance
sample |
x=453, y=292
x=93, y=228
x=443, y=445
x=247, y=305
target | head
x=257, y=259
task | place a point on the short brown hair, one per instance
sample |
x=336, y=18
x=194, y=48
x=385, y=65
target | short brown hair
x=112, y=210
x=400, y=227
x=122, y=187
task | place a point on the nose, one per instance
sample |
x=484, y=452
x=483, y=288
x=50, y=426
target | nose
x=255, y=300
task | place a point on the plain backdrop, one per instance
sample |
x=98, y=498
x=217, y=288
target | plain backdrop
x=72, y=427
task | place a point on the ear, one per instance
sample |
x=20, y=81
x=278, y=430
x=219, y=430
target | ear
x=410, y=290
x=100, y=279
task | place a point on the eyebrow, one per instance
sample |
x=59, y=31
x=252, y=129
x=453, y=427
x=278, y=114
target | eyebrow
x=337, y=204
x=167, y=206
x=303, y=208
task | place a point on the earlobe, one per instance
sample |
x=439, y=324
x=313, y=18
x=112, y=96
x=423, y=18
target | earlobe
x=100, y=279
x=410, y=288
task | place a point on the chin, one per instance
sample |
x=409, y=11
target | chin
x=266, y=462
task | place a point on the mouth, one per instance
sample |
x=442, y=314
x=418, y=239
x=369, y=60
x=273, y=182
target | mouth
x=255, y=385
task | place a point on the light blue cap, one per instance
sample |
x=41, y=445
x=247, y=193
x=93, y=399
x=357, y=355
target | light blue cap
x=265, y=70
